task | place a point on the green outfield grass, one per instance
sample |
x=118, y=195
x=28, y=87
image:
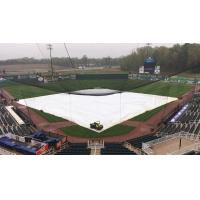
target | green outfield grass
x=79, y=131
x=164, y=89
x=21, y=91
x=26, y=91
x=50, y=118
x=73, y=85
x=34, y=89
x=148, y=114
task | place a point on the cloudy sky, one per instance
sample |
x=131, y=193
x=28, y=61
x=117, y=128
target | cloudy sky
x=95, y=50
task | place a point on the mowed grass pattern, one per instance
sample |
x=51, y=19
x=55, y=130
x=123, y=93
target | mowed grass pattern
x=22, y=91
x=79, y=131
x=158, y=88
x=164, y=89
x=35, y=89
x=73, y=85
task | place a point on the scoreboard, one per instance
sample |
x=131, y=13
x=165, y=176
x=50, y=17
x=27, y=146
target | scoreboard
x=149, y=65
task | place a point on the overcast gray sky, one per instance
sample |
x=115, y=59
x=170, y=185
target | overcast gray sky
x=95, y=50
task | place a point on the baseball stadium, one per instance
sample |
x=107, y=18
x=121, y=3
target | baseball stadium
x=134, y=108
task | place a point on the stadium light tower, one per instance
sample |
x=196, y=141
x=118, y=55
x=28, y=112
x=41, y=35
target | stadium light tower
x=148, y=48
x=49, y=47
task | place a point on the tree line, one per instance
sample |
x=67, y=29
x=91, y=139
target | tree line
x=177, y=58
x=180, y=57
x=66, y=62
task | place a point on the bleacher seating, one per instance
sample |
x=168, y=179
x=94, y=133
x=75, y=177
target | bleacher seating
x=14, y=122
x=116, y=149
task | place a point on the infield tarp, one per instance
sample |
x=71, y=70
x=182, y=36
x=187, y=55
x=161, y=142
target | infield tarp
x=109, y=110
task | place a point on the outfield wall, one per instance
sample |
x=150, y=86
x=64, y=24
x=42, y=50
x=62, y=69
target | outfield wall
x=101, y=76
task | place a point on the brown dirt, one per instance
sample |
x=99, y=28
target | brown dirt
x=28, y=68
x=43, y=68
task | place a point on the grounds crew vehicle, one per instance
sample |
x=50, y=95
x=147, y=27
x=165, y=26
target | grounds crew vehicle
x=96, y=126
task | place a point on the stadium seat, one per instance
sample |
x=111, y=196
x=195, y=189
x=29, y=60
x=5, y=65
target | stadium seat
x=116, y=149
x=137, y=142
x=188, y=121
x=75, y=149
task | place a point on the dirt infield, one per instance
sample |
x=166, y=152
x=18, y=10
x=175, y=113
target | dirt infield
x=141, y=128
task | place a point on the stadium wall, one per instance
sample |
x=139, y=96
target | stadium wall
x=101, y=76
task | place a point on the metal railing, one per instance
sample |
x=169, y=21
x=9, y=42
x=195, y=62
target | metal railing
x=146, y=147
x=193, y=147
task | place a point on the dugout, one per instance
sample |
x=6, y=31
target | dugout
x=53, y=140
x=31, y=148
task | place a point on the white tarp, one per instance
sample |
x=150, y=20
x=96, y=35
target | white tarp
x=109, y=110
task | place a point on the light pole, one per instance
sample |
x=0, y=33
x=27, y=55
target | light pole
x=49, y=47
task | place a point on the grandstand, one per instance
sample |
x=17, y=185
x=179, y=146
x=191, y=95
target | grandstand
x=9, y=124
x=18, y=135
x=95, y=147
x=186, y=120
x=181, y=134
